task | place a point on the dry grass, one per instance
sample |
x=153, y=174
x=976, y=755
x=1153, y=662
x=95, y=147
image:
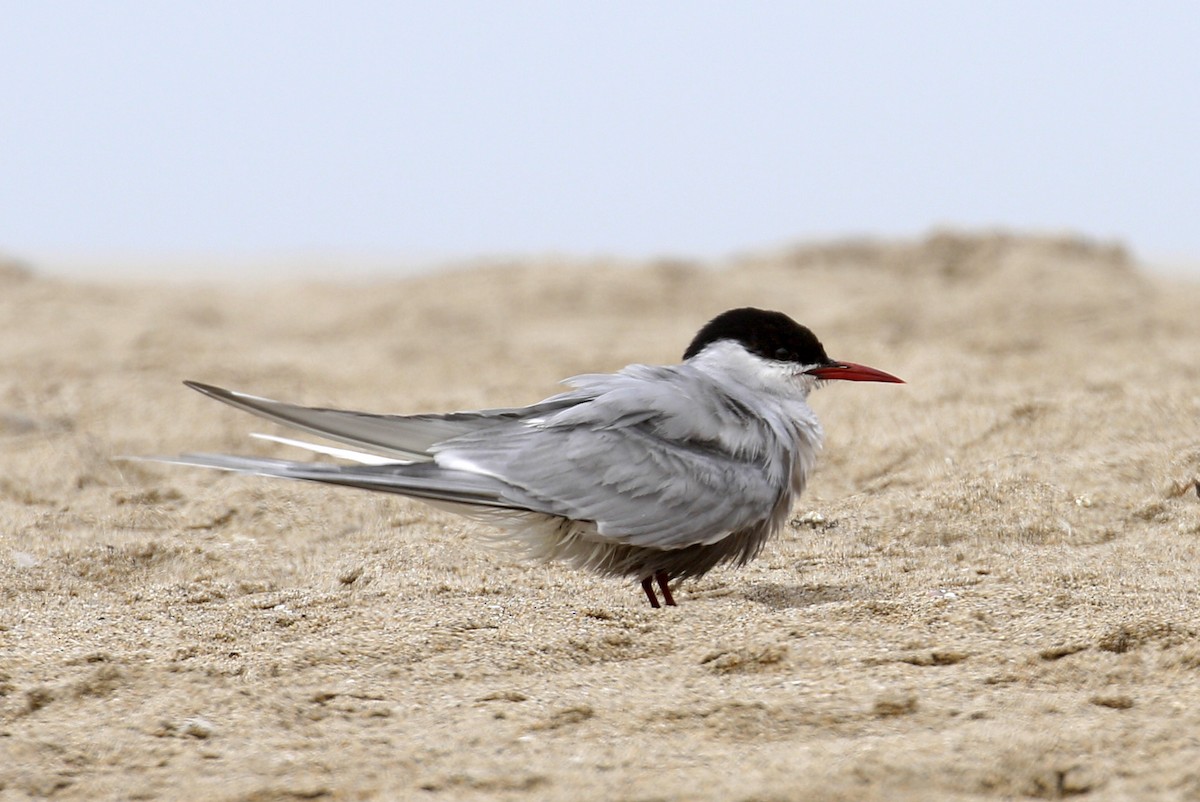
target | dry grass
x=992, y=589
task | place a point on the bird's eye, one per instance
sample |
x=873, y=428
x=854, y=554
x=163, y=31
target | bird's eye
x=784, y=355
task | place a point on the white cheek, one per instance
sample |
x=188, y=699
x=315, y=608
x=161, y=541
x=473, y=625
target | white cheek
x=779, y=379
x=784, y=380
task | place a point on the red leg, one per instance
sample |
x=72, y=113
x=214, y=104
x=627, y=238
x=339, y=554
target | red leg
x=649, y=588
x=663, y=578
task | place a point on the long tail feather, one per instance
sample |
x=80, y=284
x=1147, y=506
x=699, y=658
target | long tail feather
x=350, y=454
x=423, y=480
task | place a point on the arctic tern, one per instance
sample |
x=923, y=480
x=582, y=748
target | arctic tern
x=659, y=473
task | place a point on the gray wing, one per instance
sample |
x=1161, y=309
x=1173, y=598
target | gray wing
x=627, y=462
x=637, y=453
x=404, y=437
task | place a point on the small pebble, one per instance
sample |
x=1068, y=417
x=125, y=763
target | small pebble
x=199, y=727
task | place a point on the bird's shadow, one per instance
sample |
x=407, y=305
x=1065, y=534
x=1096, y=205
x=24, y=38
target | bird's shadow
x=781, y=597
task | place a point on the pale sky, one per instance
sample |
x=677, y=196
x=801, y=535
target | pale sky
x=452, y=129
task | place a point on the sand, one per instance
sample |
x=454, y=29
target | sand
x=991, y=588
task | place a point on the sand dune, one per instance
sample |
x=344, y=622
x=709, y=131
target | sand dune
x=990, y=590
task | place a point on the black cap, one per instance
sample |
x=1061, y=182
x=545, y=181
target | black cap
x=770, y=335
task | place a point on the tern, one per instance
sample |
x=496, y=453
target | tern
x=659, y=473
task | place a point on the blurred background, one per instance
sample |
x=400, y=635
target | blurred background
x=231, y=138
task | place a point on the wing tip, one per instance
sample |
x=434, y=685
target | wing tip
x=207, y=389
x=221, y=394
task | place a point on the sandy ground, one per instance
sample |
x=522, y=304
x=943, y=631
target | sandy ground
x=991, y=589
